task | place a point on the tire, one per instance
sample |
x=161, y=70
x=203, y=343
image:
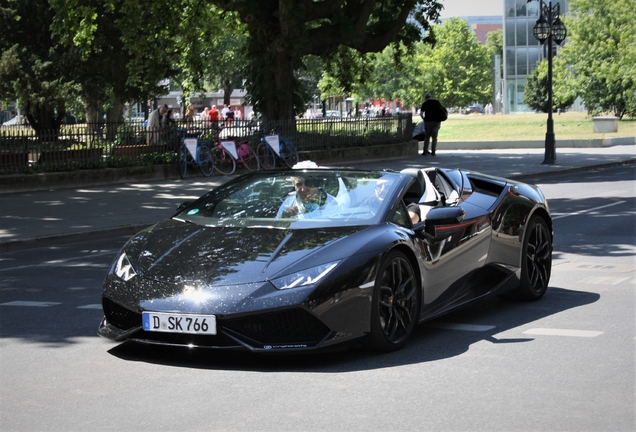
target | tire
x=206, y=161
x=250, y=161
x=289, y=154
x=266, y=156
x=536, y=261
x=395, y=305
x=183, y=161
x=223, y=162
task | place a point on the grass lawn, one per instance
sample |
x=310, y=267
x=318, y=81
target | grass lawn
x=523, y=127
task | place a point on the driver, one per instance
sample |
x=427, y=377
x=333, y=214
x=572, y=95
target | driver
x=305, y=201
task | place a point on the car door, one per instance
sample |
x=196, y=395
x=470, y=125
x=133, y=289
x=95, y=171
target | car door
x=454, y=242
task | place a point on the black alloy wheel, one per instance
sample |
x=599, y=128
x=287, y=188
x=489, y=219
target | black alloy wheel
x=396, y=303
x=536, y=264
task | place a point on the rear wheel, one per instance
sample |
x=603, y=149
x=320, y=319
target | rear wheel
x=206, y=161
x=250, y=161
x=536, y=264
x=266, y=157
x=183, y=161
x=223, y=162
x=395, y=305
x=289, y=154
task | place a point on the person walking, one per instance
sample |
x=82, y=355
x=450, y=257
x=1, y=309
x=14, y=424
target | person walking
x=153, y=134
x=430, y=113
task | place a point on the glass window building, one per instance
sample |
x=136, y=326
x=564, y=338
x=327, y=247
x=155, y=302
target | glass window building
x=522, y=50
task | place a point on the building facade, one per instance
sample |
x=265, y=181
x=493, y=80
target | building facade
x=522, y=51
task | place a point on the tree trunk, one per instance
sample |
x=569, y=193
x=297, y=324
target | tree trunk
x=45, y=120
x=94, y=116
x=113, y=120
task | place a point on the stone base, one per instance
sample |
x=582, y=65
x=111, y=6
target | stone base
x=605, y=124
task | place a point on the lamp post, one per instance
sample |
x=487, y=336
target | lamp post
x=548, y=28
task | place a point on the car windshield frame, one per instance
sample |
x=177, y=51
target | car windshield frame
x=274, y=199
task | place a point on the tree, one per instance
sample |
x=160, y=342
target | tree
x=227, y=69
x=282, y=33
x=494, y=43
x=460, y=66
x=144, y=43
x=601, y=47
x=563, y=88
x=34, y=68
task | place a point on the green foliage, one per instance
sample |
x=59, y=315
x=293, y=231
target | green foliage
x=34, y=67
x=601, y=47
x=281, y=34
x=494, y=43
x=563, y=85
x=462, y=72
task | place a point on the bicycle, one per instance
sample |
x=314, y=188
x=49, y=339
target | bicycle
x=272, y=147
x=195, y=151
x=224, y=163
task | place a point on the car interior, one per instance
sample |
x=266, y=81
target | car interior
x=429, y=190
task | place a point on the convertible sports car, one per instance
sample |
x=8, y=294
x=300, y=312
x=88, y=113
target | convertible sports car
x=311, y=258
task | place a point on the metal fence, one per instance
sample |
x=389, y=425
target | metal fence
x=82, y=146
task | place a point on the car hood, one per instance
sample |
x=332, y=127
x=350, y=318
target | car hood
x=177, y=252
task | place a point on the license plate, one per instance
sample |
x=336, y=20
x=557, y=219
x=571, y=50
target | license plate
x=179, y=323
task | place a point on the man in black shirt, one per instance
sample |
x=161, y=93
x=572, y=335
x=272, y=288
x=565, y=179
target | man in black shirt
x=430, y=114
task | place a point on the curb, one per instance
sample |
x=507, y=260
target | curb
x=62, y=239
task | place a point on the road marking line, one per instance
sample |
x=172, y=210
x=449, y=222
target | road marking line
x=605, y=280
x=563, y=332
x=456, y=326
x=586, y=211
x=90, y=306
x=30, y=303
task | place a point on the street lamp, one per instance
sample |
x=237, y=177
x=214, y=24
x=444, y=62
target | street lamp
x=549, y=27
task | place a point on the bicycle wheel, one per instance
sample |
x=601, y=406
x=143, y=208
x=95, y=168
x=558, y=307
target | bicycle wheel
x=266, y=156
x=183, y=161
x=289, y=154
x=250, y=161
x=206, y=161
x=223, y=162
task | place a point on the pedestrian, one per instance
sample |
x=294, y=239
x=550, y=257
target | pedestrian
x=224, y=112
x=237, y=116
x=229, y=117
x=433, y=114
x=213, y=116
x=155, y=119
x=189, y=115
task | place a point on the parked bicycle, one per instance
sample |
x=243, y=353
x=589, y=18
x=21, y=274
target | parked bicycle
x=195, y=151
x=272, y=148
x=228, y=154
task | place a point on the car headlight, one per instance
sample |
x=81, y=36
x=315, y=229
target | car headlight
x=305, y=277
x=123, y=269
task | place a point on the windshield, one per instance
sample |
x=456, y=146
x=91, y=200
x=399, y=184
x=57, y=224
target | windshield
x=296, y=199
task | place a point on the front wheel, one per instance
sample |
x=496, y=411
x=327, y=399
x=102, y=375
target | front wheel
x=395, y=305
x=206, y=161
x=183, y=161
x=223, y=162
x=249, y=159
x=536, y=260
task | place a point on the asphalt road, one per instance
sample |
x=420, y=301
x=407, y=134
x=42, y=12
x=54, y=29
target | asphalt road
x=564, y=363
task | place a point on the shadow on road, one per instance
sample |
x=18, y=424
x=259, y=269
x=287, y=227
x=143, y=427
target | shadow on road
x=427, y=343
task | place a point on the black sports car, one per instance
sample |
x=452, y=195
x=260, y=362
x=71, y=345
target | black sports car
x=311, y=258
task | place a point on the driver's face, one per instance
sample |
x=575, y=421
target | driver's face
x=301, y=188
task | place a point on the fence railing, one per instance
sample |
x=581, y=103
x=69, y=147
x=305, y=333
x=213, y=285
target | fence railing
x=81, y=146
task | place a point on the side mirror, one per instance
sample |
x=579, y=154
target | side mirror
x=184, y=204
x=439, y=217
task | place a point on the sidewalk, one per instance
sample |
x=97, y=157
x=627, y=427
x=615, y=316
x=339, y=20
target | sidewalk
x=46, y=218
